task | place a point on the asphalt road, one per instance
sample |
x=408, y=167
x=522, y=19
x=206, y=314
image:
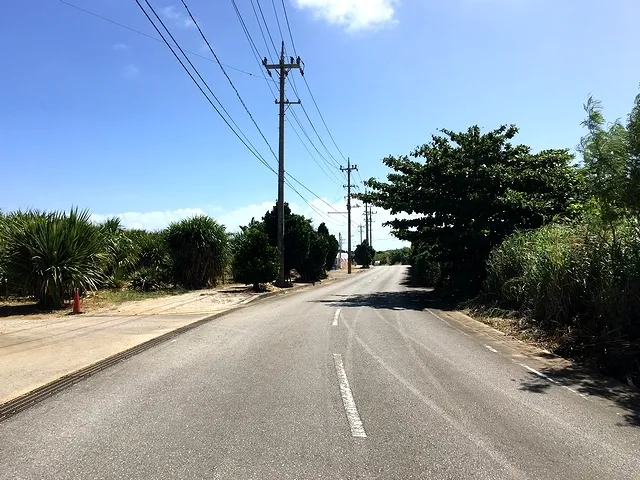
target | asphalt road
x=293, y=388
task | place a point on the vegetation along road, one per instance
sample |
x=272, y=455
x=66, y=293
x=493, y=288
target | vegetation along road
x=355, y=379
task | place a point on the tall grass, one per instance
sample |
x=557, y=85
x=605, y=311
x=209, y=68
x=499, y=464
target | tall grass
x=579, y=283
x=50, y=254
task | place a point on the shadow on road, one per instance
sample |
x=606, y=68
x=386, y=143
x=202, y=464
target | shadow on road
x=407, y=300
x=19, y=310
x=587, y=382
x=580, y=378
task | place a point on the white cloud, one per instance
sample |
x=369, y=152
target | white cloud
x=354, y=14
x=233, y=219
x=120, y=46
x=179, y=18
x=150, y=220
x=130, y=71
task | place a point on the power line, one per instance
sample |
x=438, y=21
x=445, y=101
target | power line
x=264, y=38
x=328, y=173
x=322, y=118
x=293, y=44
x=275, y=12
x=151, y=37
x=266, y=26
x=313, y=207
x=304, y=131
x=284, y=7
x=247, y=142
x=336, y=164
x=312, y=193
x=225, y=74
x=257, y=58
x=268, y=82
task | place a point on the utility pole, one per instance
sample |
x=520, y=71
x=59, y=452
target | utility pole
x=283, y=70
x=371, y=214
x=366, y=221
x=366, y=216
x=360, y=227
x=348, y=186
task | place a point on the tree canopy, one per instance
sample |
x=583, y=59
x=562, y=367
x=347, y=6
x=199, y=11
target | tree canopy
x=297, y=238
x=464, y=192
x=254, y=260
x=364, y=254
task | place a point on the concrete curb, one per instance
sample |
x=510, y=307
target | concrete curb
x=26, y=400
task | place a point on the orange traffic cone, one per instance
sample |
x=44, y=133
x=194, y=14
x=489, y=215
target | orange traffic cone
x=76, y=302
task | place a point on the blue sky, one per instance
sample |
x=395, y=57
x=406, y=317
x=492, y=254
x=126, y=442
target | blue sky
x=98, y=116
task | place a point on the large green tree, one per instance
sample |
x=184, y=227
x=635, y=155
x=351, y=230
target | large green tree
x=364, y=254
x=333, y=246
x=464, y=192
x=611, y=159
x=254, y=260
x=297, y=236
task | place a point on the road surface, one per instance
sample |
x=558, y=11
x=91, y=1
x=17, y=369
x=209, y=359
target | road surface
x=349, y=380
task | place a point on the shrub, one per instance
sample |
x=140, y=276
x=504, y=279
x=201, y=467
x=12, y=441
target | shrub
x=254, y=260
x=199, y=249
x=121, y=253
x=50, y=254
x=152, y=270
x=313, y=267
x=364, y=254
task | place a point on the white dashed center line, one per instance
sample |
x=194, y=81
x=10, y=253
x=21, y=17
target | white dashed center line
x=490, y=348
x=357, y=429
x=336, y=317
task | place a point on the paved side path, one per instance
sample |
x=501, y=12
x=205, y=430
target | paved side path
x=34, y=352
x=37, y=350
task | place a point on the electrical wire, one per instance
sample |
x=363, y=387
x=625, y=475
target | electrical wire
x=322, y=118
x=286, y=16
x=304, y=132
x=284, y=7
x=151, y=37
x=246, y=143
x=328, y=173
x=266, y=26
x=252, y=44
x=264, y=37
x=229, y=79
x=268, y=82
x=275, y=12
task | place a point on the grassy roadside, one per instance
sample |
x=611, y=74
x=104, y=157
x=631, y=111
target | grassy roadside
x=560, y=342
x=93, y=301
x=116, y=297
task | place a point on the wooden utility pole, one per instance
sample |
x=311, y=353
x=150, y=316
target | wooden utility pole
x=371, y=214
x=366, y=221
x=360, y=227
x=283, y=70
x=348, y=187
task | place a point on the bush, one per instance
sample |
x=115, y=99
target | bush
x=364, y=254
x=254, y=260
x=313, y=268
x=152, y=270
x=579, y=283
x=199, y=249
x=50, y=254
x=121, y=253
